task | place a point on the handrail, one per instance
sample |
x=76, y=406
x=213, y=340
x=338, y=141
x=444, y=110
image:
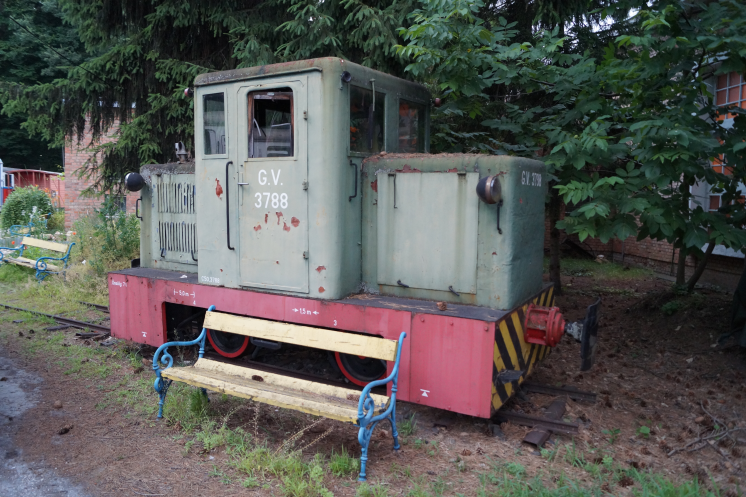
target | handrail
x=228, y=207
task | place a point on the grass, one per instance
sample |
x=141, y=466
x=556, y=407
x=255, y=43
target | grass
x=599, y=271
x=260, y=463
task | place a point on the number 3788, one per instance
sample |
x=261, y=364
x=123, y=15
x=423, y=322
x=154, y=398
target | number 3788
x=274, y=199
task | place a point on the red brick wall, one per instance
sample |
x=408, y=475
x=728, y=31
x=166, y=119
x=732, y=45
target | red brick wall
x=77, y=154
x=658, y=256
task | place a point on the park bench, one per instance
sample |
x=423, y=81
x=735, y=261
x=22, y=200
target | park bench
x=364, y=409
x=41, y=265
x=35, y=224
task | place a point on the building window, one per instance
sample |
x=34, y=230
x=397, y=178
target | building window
x=271, y=123
x=714, y=203
x=731, y=90
x=117, y=202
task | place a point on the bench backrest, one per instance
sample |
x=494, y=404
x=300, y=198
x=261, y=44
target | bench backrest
x=307, y=336
x=45, y=244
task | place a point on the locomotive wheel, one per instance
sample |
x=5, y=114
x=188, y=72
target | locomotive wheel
x=360, y=370
x=228, y=344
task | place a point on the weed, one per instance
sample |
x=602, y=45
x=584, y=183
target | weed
x=671, y=307
x=250, y=482
x=613, y=434
x=342, y=464
x=515, y=469
x=408, y=426
x=644, y=431
x=367, y=490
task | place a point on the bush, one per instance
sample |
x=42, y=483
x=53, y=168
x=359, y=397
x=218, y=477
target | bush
x=57, y=221
x=23, y=205
x=108, y=240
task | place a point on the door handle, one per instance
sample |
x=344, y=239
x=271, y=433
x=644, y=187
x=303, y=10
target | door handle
x=240, y=191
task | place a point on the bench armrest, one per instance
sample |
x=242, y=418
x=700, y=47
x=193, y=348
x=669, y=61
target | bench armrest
x=16, y=229
x=2, y=255
x=366, y=405
x=168, y=360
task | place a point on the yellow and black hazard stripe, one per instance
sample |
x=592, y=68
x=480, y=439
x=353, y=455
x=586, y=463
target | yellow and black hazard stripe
x=512, y=353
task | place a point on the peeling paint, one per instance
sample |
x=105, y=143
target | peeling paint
x=295, y=221
x=218, y=188
x=494, y=253
x=279, y=215
x=374, y=186
x=257, y=227
x=320, y=268
x=408, y=169
x=266, y=216
x=454, y=170
x=322, y=289
x=285, y=226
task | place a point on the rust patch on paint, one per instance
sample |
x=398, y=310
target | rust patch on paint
x=454, y=170
x=494, y=253
x=374, y=186
x=266, y=216
x=320, y=268
x=295, y=221
x=279, y=215
x=520, y=200
x=257, y=227
x=218, y=188
x=277, y=262
x=408, y=169
x=221, y=270
x=321, y=289
x=285, y=226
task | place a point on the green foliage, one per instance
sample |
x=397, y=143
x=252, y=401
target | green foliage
x=25, y=205
x=142, y=54
x=627, y=127
x=408, y=426
x=25, y=58
x=343, y=464
x=671, y=307
x=109, y=240
x=644, y=431
x=57, y=221
x=612, y=433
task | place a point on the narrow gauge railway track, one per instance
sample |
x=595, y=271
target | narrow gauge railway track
x=73, y=323
x=98, y=307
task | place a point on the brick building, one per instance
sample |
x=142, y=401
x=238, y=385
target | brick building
x=77, y=204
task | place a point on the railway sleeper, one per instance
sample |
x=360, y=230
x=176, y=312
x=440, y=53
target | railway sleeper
x=365, y=410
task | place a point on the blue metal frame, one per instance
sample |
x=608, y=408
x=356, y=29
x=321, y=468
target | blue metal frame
x=41, y=262
x=161, y=385
x=367, y=420
x=367, y=407
x=15, y=230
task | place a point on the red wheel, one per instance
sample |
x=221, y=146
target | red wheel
x=360, y=370
x=228, y=344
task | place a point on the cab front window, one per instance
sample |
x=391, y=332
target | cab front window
x=271, y=123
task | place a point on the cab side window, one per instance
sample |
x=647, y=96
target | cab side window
x=213, y=116
x=367, y=130
x=271, y=123
x=411, y=127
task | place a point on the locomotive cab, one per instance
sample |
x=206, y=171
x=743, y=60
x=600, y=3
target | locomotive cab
x=278, y=151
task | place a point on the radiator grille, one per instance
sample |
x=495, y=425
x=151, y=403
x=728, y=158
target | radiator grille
x=178, y=237
x=176, y=197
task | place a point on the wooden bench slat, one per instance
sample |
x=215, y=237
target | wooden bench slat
x=282, y=381
x=306, y=336
x=45, y=244
x=22, y=261
x=266, y=392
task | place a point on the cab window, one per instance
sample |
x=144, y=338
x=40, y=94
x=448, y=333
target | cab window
x=271, y=123
x=411, y=127
x=213, y=115
x=366, y=121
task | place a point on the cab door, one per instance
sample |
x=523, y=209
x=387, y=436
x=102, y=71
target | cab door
x=272, y=185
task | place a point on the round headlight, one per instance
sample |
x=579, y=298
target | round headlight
x=489, y=190
x=134, y=182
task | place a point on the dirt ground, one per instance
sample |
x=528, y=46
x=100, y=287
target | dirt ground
x=662, y=382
